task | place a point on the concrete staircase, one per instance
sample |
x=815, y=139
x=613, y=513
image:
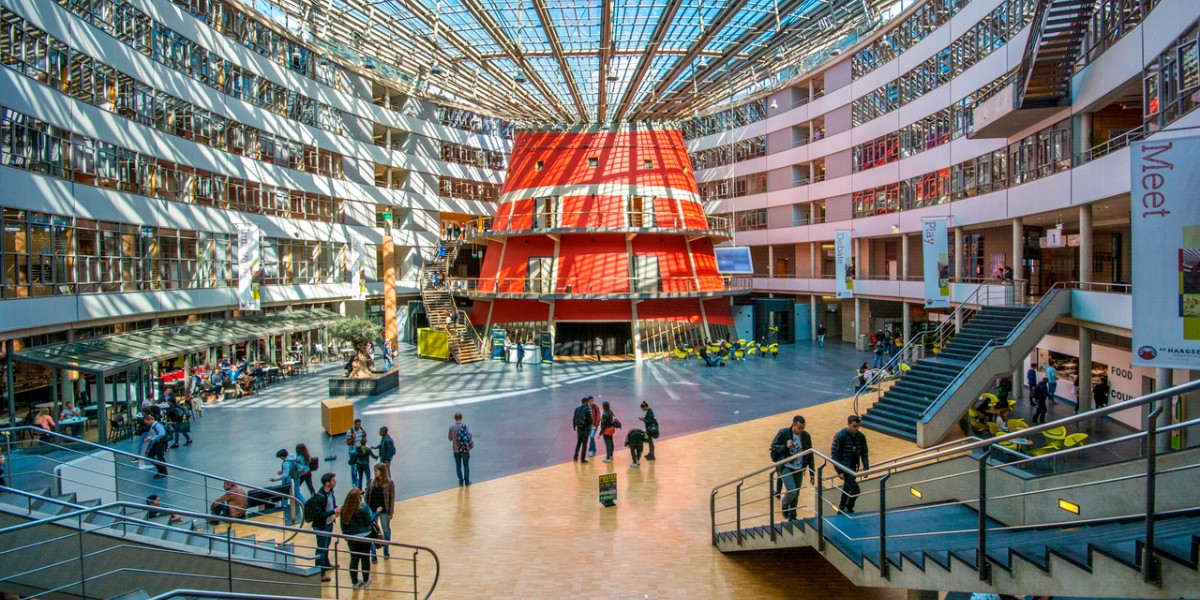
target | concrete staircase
x=901, y=407
x=465, y=345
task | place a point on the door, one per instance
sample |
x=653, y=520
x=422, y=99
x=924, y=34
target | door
x=646, y=276
x=546, y=216
x=538, y=277
x=641, y=212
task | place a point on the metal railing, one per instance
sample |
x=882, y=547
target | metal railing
x=600, y=286
x=1108, y=147
x=70, y=573
x=176, y=491
x=597, y=221
x=938, y=489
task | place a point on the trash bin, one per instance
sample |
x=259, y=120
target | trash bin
x=864, y=343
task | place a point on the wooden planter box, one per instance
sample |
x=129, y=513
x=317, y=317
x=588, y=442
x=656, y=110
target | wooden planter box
x=373, y=386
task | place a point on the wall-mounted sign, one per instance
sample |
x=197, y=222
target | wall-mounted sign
x=936, y=260
x=843, y=257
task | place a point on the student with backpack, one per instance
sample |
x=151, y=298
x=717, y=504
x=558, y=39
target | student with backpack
x=313, y=463
x=581, y=421
x=290, y=471
x=181, y=419
x=322, y=510
x=461, y=444
x=651, y=428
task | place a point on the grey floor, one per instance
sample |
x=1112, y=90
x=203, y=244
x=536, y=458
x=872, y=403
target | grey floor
x=521, y=420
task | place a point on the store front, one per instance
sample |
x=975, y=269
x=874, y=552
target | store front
x=1126, y=381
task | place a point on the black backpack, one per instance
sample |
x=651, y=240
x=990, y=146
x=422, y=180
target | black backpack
x=583, y=417
x=312, y=509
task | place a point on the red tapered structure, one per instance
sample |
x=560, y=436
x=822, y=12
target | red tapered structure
x=602, y=234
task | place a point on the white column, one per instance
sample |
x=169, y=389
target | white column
x=958, y=253
x=637, y=336
x=857, y=318
x=770, y=261
x=1083, y=382
x=814, y=259
x=907, y=321
x=813, y=314
x=1018, y=256
x=1085, y=243
x=904, y=260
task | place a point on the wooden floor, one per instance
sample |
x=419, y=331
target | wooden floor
x=543, y=534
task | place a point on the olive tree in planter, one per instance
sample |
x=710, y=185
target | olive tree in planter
x=359, y=332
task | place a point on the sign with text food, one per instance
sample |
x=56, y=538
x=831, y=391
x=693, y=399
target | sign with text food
x=936, y=259
x=249, y=254
x=608, y=489
x=1165, y=215
x=843, y=257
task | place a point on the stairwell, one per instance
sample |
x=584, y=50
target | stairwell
x=901, y=407
x=465, y=345
x=1050, y=54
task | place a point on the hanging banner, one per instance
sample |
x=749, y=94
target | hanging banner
x=936, y=256
x=358, y=274
x=1165, y=219
x=843, y=256
x=249, y=240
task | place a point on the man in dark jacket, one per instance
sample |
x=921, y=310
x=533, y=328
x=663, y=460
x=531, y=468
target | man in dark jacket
x=791, y=441
x=327, y=512
x=581, y=421
x=386, y=448
x=850, y=451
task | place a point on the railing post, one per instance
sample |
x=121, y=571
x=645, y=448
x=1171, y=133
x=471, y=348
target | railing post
x=981, y=561
x=771, y=502
x=414, y=566
x=712, y=515
x=883, y=561
x=229, y=554
x=738, y=509
x=820, y=508
x=82, y=567
x=1150, y=570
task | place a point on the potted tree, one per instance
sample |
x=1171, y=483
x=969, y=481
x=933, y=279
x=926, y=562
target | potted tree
x=359, y=332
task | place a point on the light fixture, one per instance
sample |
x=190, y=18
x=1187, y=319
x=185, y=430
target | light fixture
x=519, y=77
x=915, y=492
x=612, y=77
x=703, y=65
x=774, y=104
x=368, y=63
x=436, y=69
x=1068, y=506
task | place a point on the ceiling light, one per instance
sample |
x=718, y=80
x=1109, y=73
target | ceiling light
x=612, y=77
x=368, y=63
x=703, y=64
x=436, y=69
x=519, y=77
x=774, y=104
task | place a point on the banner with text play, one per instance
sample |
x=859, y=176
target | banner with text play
x=1165, y=215
x=936, y=256
x=249, y=254
x=843, y=256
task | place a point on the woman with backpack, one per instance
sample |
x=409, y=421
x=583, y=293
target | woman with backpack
x=311, y=463
x=608, y=426
x=381, y=499
x=356, y=520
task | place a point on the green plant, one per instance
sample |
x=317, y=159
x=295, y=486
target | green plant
x=359, y=332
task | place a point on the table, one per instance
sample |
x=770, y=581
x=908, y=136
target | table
x=290, y=365
x=73, y=422
x=1022, y=442
x=41, y=405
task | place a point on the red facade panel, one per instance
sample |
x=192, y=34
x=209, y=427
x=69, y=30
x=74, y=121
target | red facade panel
x=515, y=268
x=718, y=312
x=516, y=311
x=593, y=264
x=670, y=309
x=647, y=158
x=673, y=265
x=593, y=310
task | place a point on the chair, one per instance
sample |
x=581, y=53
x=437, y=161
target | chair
x=774, y=348
x=1043, y=451
x=739, y=354
x=1056, y=436
x=1017, y=424
x=1073, y=440
x=680, y=354
x=976, y=419
x=752, y=350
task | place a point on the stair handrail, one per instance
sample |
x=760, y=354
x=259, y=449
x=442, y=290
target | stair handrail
x=1007, y=340
x=918, y=340
x=470, y=327
x=79, y=512
x=36, y=432
x=191, y=593
x=1036, y=26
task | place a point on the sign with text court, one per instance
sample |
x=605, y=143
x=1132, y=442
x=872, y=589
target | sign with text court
x=936, y=259
x=1165, y=215
x=843, y=257
x=249, y=258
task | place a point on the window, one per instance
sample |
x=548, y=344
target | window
x=647, y=164
x=540, y=165
x=593, y=162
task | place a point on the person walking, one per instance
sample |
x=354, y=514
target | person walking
x=1031, y=378
x=792, y=441
x=356, y=520
x=462, y=456
x=581, y=421
x=324, y=510
x=386, y=448
x=878, y=354
x=593, y=431
x=608, y=426
x=821, y=335
x=1051, y=383
x=850, y=451
x=651, y=424
x=520, y=356
x=313, y=463
x=1038, y=397
x=290, y=471
x=156, y=441
x=598, y=346
x=361, y=465
x=1100, y=393
x=181, y=420
x=381, y=499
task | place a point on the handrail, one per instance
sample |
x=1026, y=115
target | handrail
x=38, y=430
x=522, y=222
x=190, y=593
x=105, y=509
x=586, y=286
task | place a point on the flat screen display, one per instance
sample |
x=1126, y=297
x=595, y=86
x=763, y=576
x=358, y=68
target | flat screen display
x=734, y=261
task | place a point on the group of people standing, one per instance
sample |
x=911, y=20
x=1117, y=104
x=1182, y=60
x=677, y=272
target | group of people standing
x=590, y=421
x=848, y=452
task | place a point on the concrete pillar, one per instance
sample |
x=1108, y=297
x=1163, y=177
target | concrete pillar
x=814, y=259
x=389, y=292
x=1083, y=383
x=1164, y=378
x=958, y=253
x=1083, y=132
x=1018, y=251
x=637, y=336
x=857, y=318
x=907, y=316
x=860, y=259
x=1018, y=390
x=1085, y=243
x=904, y=258
x=813, y=315
x=770, y=261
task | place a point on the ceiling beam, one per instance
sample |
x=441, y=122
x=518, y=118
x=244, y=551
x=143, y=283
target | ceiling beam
x=551, y=33
x=656, y=38
x=606, y=54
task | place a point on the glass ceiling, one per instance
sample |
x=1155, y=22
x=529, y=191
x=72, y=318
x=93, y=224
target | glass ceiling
x=586, y=60
x=115, y=353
